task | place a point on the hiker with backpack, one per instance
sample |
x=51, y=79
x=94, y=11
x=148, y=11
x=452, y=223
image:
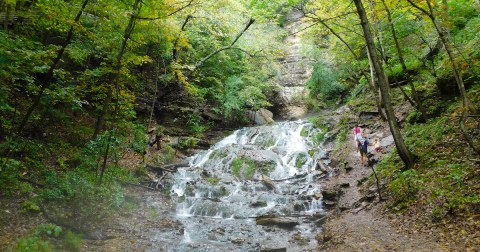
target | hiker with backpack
x=363, y=148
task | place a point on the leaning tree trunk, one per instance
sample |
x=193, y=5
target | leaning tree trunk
x=402, y=149
x=47, y=78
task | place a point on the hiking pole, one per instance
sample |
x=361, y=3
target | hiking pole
x=378, y=184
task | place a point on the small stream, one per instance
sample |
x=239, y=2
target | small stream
x=254, y=172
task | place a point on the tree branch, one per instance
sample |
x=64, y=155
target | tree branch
x=175, y=44
x=168, y=15
x=420, y=8
x=231, y=46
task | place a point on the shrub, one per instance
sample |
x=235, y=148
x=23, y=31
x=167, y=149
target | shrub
x=405, y=187
x=324, y=83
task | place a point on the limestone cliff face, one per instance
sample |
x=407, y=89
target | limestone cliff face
x=289, y=99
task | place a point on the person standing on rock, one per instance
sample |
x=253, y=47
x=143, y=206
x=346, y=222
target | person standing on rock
x=357, y=133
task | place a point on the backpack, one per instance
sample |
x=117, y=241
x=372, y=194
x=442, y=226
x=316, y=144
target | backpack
x=363, y=144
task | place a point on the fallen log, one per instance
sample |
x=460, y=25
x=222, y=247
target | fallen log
x=136, y=185
x=167, y=168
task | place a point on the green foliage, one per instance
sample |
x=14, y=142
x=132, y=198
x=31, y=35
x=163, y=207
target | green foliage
x=139, y=142
x=38, y=240
x=319, y=123
x=239, y=94
x=72, y=241
x=31, y=206
x=340, y=140
x=44, y=236
x=213, y=180
x=166, y=155
x=33, y=244
x=405, y=187
x=324, y=83
x=304, y=132
x=357, y=89
x=236, y=166
x=301, y=160
x=245, y=168
x=9, y=178
x=194, y=125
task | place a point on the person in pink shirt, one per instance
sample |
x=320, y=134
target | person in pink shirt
x=357, y=134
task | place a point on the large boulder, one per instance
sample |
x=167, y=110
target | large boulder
x=261, y=116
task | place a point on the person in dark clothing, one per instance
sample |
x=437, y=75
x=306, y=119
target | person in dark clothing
x=363, y=148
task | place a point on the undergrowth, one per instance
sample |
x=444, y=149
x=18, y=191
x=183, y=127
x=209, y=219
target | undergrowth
x=443, y=188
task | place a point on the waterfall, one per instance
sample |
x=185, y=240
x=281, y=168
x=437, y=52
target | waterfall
x=255, y=171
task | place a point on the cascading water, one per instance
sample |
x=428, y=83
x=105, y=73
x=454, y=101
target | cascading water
x=257, y=171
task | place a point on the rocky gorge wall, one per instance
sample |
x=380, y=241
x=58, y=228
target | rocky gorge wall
x=289, y=100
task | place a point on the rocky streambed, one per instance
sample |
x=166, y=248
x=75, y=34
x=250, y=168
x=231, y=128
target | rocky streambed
x=258, y=189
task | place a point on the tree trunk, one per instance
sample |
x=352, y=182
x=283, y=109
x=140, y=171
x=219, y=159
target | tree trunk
x=378, y=95
x=418, y=102
x=7, y=16
x=47, y=78
x=371, y=80
x=402, y=149
x=118, y=65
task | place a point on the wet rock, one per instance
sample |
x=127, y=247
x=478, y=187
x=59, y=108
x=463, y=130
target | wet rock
x=205, y=173
x=220, y=231
x=96, y=235
x=320, y=222
x=299, y=239
x=372, y=161
x=370, y=197
x=330, y=194
x=268, y=229
x=299, y=206
x=361, y=181
x=273, y=250
x=280, y=221
x=211, y=237
x=387, y=141
x=345, y=185
x=348, y=168
x=259, y=204
x=261, y=116
x=268, y=182
x=367, y=115
x=317, y=195
x=324, y=155
x=237, y=240
x=294, y=112
x=344, y=207
x=328, y=204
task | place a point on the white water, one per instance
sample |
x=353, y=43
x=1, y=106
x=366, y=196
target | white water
x=211, y=195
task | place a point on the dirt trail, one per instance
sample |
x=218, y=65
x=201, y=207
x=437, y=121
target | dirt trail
x=358, y=222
